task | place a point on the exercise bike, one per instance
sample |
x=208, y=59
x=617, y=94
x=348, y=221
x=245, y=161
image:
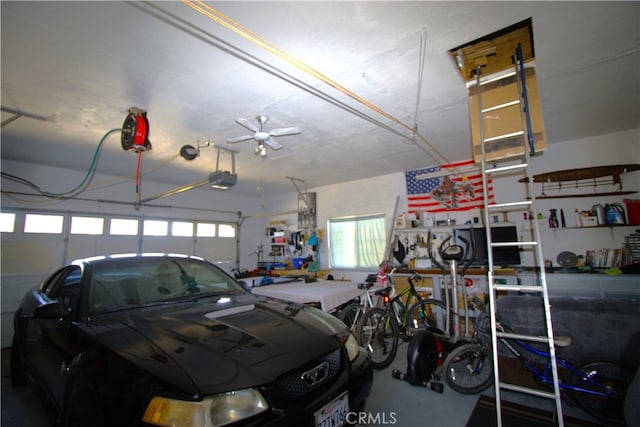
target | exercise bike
x=427, y=348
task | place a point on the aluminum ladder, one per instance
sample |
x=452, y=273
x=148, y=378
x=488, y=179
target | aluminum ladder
x=527, y=205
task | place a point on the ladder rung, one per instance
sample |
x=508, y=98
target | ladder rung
x=506, y=168
x=500, y=106
x=505, y=136
x=509, y=204
x=512, y=244
x=521, y=288
x=523, y=337
x=528, y=390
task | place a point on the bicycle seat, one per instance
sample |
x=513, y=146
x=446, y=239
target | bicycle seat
x=366, y=285
x=562, y=341
x=383, y=292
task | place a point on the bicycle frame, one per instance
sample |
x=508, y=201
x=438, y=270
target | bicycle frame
x=403, y=321
x=544, y=375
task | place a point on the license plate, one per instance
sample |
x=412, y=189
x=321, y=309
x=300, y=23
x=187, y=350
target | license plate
x=333, y=414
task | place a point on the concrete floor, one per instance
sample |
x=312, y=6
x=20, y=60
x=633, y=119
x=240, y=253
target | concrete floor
x=392, y=402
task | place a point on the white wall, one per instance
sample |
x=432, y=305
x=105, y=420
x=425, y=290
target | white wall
x=378, y=195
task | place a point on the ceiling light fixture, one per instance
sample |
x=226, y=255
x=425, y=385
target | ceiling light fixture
x=261, y=150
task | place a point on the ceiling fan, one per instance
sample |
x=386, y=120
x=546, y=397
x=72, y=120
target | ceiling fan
x=263, y=138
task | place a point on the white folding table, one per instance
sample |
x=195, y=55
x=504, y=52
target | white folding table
x=328, y=293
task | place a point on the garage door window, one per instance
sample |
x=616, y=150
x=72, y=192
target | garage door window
x=50, y=224
x=87, y=225
x=7, y=222
x=356, y=242
x=124, y=227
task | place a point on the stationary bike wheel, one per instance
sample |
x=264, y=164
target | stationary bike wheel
x=468, y=369
x=429, y=314
x=602, y=377
x=378, y=334
x=349, y=315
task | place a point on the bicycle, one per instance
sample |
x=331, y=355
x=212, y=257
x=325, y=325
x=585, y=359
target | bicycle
x=599, y=388
x=351, y=313
x=381, y=328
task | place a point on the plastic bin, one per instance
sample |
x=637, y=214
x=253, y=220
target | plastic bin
x=633, y=210
x=297, y=263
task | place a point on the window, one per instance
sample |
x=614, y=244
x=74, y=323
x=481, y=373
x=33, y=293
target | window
x=226, y=230
x=7, y=222
x=86, y=225
x=183, y=229
x=50, y=224
x=205, y=229
x=155, y=228
x=124, y=227
x=356, y=242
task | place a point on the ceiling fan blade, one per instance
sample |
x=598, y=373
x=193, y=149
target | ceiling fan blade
x=284, y=131
x=247, y=124
x=272, y=143
x=239, y=138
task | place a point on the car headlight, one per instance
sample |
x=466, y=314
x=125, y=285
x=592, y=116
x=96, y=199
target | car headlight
x=218, y=410
x=352, y=346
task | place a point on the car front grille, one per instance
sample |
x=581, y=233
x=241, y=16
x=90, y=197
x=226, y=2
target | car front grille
x=296, y=385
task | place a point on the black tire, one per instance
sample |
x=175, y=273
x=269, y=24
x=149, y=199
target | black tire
x=378, y=334
x=430, y=314
x=468, y=369
x=349, y=314
x=81, y=408
x=18, y=377
x=602, y=377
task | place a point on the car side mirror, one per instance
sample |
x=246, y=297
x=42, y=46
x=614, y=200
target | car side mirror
x=52, y=310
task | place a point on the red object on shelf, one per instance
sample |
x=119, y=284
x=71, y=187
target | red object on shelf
x=633, y=210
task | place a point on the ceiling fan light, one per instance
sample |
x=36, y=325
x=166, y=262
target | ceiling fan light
x=260, y=150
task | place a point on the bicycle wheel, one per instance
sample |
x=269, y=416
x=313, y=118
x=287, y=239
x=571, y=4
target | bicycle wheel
x=430, y=314
x=468, y=369
x=602, y=377
x=378, y=334
x=349, y=315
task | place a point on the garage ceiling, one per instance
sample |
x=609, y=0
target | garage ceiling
x=82, y=65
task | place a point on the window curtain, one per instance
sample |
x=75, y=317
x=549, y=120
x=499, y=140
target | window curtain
x=356, y=242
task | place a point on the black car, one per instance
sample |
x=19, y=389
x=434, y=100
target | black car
x=169, y=340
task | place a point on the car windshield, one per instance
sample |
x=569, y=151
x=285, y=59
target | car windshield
x=122, y=283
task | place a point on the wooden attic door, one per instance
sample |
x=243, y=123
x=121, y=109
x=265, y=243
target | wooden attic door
x=494, y=54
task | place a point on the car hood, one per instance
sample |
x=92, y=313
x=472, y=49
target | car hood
x=210, y=346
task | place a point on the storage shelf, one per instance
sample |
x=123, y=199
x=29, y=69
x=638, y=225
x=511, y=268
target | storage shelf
x=596, y=176
x=569, y=196
x=594, y=227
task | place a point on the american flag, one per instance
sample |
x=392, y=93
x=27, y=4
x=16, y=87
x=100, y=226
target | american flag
x=446, y=192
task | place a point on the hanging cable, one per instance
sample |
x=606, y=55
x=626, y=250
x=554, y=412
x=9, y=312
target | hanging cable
x=80, y=187
x=137, y=205
x=421, y=61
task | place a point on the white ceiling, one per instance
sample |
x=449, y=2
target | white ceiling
x=83, y=64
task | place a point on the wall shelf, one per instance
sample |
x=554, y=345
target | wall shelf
x=584, y=177
x=608, y=193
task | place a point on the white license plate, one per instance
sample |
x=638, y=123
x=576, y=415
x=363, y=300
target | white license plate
x=333, y=414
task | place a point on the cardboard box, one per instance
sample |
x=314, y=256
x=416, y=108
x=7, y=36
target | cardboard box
x=588, y=221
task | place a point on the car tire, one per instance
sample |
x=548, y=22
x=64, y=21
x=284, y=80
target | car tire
x=18, y=377
x=80, y=407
